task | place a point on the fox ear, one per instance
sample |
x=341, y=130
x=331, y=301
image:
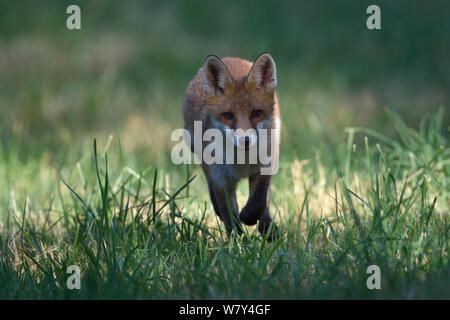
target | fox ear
x=216, y=77
x=263, y=74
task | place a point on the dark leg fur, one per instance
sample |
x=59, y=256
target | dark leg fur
x=257, y=207
x=225, y=206
x=258, y=200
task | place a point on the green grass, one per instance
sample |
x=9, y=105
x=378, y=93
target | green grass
x=134, y=236
x=364, y=168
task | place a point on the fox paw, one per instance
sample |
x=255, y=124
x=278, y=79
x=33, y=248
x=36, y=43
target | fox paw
x=267, y=227
x=249, y=216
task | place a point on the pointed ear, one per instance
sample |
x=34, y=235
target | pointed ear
x=216, y=77
x=263, y=74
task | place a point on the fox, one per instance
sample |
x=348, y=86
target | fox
x=235, y=94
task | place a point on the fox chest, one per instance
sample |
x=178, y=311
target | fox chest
x=225, y=174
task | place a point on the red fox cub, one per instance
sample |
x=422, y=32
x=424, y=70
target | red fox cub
x=237, y=98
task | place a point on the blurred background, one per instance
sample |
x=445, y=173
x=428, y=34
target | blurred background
x=125, y=72
x=121, y=80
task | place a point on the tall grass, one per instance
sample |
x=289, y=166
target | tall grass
x=135, y=235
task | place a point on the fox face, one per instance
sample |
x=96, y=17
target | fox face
x=240, y=96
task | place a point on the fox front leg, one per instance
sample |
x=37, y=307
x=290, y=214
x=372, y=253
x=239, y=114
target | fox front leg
x=228, y=209
x=257, y=207
x=225, y=205
x=258, y=200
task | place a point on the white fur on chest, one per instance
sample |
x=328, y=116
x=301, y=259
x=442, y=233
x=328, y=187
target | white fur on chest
x=224, y=174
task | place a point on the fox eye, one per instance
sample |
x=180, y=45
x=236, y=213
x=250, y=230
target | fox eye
x=256, y=113
x=228, y=115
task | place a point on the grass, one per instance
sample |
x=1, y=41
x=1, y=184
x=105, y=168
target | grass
x=134, y=235
x=364, y=169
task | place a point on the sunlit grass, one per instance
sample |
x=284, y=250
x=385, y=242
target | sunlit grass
x=142, y=233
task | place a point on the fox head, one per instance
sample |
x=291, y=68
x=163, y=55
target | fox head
x=241, y=96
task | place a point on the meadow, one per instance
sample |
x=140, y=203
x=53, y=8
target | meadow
x=86, y=176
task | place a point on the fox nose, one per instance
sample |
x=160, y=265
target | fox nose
x=247, y=141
